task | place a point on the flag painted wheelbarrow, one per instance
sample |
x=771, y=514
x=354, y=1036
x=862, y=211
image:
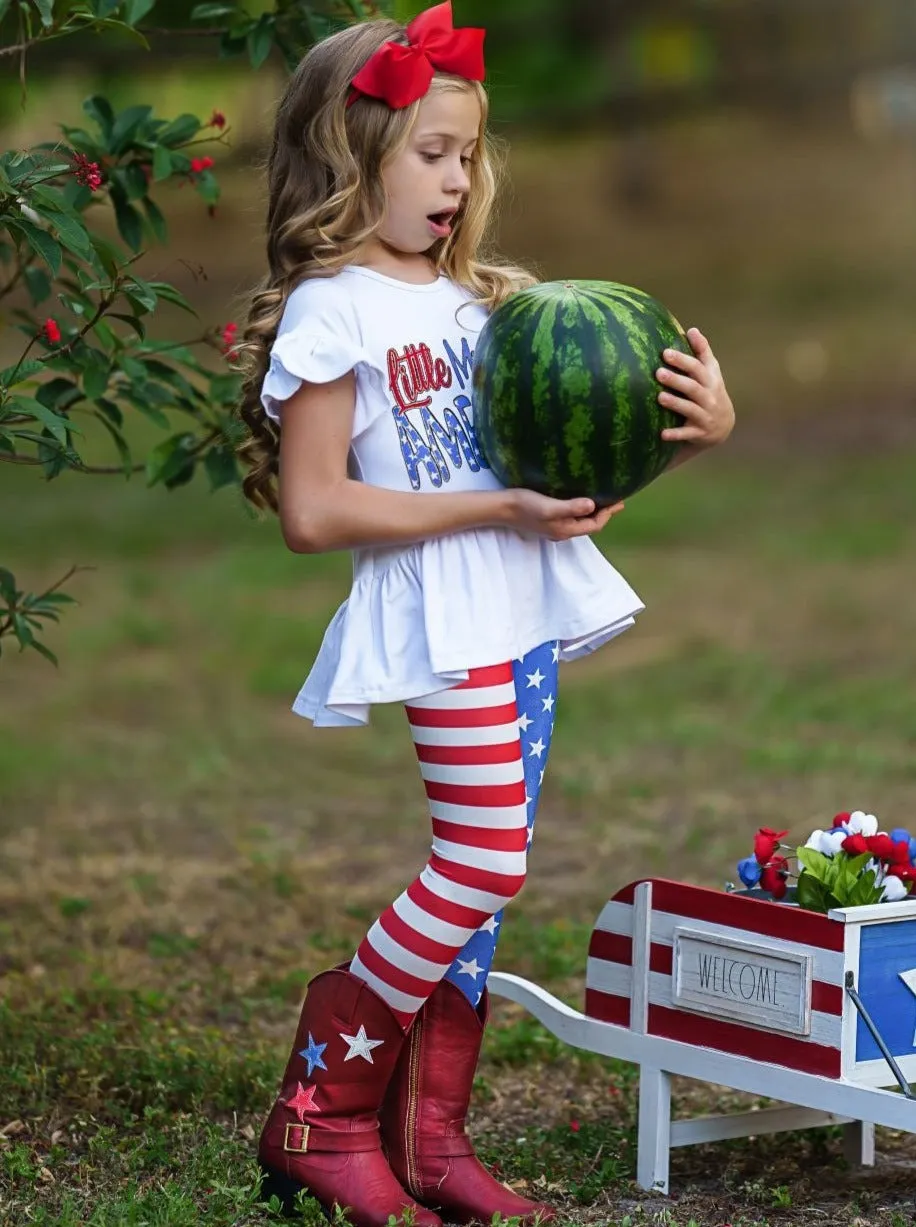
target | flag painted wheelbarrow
x=817, y=1012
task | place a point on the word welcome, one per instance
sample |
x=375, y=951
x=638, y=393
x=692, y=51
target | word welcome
x=734, y=978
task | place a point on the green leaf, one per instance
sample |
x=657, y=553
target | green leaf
x=168, y=375
x=107, y=408
x=40, y=242
x=27, y=369
x=22, y=630
x=865, y=891
x=815, y=862
x=57, y=425
x=133, y=368
x=4, y=7
x=130, y=222
x=179, y=130
x=104, y=8
x=137, y=395
x=51, y=197
x=46, y=12
x=44, y=651
x=156, y=220
x=212, y=12
x=261, y=40
x=8, y=590
x=99, y=109
x=40, y=604
x=811, y=894
x=126, y=126
x=72, y=233
x=133, y=320
x=38, y=284
x=207, y=186
x=225, y=389
x=109, y=255
x=135, y=182
x=119, y=442
x=106, y=335
x=162, y=163
x=221, y=467
x=170, y=294
x=58, y=393
x=95, y=379
x=136, y=10
x=142, y=292
x=172, y=461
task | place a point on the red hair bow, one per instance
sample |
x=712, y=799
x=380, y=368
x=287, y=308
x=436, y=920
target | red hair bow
x=400, y=75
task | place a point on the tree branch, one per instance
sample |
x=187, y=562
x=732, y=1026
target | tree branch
x=7, y=625
x=16, y=48
x=104, y=470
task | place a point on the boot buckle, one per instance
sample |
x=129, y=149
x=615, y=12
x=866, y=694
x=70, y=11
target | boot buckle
x=290, y=1143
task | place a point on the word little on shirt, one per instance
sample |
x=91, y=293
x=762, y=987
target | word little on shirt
x=427, y=443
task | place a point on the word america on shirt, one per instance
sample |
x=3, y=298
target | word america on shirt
x=430, y=444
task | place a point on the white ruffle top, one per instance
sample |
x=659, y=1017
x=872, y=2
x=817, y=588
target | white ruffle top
x=418, y=617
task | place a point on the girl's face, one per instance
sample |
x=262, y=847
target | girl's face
x=427, y=182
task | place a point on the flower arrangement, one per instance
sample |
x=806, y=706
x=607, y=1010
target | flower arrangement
x=850, y=865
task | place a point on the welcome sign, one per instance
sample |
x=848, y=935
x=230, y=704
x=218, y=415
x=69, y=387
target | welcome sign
x=730, y=978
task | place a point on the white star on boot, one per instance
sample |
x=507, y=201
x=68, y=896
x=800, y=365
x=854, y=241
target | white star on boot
x=360, y=1045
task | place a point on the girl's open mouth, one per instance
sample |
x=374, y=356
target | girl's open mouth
x=441, y=223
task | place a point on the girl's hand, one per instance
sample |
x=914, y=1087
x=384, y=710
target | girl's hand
x=696, y=390
x=555, y=518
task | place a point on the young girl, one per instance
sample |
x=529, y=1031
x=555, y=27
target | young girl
x=465, y=595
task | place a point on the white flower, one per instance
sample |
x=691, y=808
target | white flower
x=894, y=890
x=832, y=843
x=27, y=211
x=861, y=823
x=827, y=842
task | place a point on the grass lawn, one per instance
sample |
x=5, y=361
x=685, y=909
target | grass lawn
x=173, y=866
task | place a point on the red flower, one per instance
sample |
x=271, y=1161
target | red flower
x=855, y=845
x=199, y=164
x=87, y=172
x=228, y=339
x=773, y=878
x=51, y=331
x=884, y=848
x=217, y=120
x=575, y=1126
x=766, y=841
x=840, y=820
x=906, y=872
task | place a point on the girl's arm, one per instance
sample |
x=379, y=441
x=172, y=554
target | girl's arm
x=322, y=509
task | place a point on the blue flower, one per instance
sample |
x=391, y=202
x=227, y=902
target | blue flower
x=902, y=835
x=749, y=871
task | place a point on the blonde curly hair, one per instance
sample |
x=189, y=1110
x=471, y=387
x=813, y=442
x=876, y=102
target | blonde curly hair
x=326, y=200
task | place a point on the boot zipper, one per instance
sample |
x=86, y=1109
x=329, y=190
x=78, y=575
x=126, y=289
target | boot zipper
x=413, y=1098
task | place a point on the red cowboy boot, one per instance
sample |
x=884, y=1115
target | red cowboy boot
x=322, y=1134
x=423, y=1116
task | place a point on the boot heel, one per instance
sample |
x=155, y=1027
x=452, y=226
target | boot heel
x=275, y=1184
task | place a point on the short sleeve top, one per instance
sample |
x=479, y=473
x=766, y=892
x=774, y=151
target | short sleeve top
x=420, y=616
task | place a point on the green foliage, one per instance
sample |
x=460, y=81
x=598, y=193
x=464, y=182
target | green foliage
x=86, y=352
x=835, y=881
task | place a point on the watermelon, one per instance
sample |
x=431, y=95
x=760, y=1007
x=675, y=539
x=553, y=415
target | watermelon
x=565, y=392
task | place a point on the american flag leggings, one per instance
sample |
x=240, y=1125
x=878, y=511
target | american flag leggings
x=483, y=749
